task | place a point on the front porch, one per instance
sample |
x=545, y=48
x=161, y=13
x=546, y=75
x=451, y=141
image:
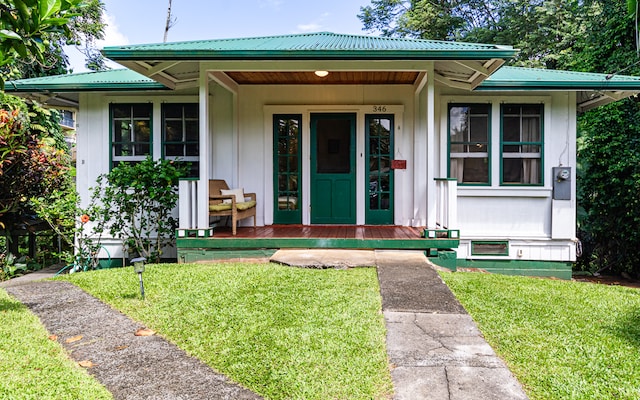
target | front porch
x=263, y=241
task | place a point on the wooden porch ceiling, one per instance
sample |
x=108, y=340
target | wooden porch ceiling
x=334, y=78
x=461, y=74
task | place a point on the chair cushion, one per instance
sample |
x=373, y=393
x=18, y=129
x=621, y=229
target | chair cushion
x=239, y=193
x=245, y=205
x=220, y=207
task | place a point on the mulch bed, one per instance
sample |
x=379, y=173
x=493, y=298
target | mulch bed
x=613, y=280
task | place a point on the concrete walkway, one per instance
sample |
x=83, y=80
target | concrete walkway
x=435, y=349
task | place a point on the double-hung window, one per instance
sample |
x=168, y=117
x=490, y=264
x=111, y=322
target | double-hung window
x=180, y=135
x=521, y=144
x=131, y=132
x=469, y=145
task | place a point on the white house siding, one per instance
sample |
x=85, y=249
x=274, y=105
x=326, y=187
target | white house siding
x=535, y=226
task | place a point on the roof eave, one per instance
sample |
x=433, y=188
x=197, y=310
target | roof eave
x=82, y=88
x=368, y=55
x=609, y=86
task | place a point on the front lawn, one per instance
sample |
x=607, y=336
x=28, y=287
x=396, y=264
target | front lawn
x=34, y=367
x=563, y=340
x=286, y=333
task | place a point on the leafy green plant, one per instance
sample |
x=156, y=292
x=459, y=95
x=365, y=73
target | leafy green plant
x=34, y=160
x=26, y=26
x=137, y=200
x=12, y=266
x=71, y=223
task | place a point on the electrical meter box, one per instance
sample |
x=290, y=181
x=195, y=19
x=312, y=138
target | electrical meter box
x=561, y=183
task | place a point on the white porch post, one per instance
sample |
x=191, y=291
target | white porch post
x=205, y=151
x=431, y=147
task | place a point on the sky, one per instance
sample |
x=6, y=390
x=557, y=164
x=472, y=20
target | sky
x=143, y=21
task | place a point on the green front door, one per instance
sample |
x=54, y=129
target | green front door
x=379, y=142
x=333, y=166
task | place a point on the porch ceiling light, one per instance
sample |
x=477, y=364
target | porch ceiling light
x=321, y=74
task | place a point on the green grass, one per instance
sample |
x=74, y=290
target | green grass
x=286, y=333
x=562, y=339
x=34, y=367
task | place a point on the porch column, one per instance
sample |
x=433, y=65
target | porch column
x=431, y=147
x=205, y=151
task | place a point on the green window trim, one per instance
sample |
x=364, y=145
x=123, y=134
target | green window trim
x=514, y=169
x=469, y=168
x=130, y=132
x=489, y=248
x=180, y=135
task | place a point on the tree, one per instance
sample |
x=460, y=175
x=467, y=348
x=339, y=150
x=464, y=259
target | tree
x=545, y=31
x=86, y=29
x=436, y=20
x=609, y=150
x=171, y=21
x=33, y=31
x=609, y=188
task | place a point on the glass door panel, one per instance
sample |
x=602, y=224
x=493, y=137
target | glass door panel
x=379, y=131
x=287, y=168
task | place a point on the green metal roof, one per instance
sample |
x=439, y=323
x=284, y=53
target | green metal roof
x=322, y=45
x=516, y=78
x=112, y=80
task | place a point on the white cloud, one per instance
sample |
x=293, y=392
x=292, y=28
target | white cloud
x=112, y=34
x=312, y=27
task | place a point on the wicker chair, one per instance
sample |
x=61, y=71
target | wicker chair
x=225, y=205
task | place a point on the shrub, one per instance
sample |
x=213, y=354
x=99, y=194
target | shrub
x=137, y=200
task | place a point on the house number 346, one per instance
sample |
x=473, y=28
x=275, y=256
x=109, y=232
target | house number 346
x=379, y=108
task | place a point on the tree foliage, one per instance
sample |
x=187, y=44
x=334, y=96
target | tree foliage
x=609, y=151
x=32, y=33
x=545, y=31
x=609, y=187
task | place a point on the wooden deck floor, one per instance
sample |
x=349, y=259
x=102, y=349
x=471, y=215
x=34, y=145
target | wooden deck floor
x=265, y=240
x=322, y=232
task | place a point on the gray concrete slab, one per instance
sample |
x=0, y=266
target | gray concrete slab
x=408, y=285
x=435, y=348
x=326, y=258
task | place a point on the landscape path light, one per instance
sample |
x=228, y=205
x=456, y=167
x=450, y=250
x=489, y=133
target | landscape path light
x=138, y=267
